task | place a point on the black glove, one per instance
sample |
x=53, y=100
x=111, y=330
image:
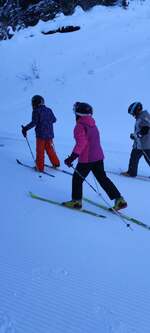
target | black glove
x=144, y=130
x=133, y=136
x=24, y=131
x=68, y=161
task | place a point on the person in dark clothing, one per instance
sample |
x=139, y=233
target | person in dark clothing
x=141, y=138
x=42, y=119
x=90, y=156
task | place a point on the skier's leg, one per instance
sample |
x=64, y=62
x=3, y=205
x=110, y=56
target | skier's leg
x=146, y=154
x=108, y=186
x=51, y=153
x=40, y=144
x=77, y=180
x=104, y=181
x=133, y=162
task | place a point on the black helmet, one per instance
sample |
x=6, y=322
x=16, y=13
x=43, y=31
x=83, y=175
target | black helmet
x=82, y=109
x=133, y=108
x=37, y=100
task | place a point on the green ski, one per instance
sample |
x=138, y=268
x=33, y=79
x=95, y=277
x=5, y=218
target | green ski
x=82, y=210
x=126, y=217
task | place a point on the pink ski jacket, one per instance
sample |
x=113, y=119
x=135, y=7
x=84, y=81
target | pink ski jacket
x=87, y=139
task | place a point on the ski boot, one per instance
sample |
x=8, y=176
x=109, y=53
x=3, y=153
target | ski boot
x=77, y=204
x=120, y=203
x=126, y=174
x=55, y=166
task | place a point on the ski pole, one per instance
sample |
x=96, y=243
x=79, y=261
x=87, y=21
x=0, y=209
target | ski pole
x=111, y=208
x=32, y=155
x=93, y=188
x=100, y=195
x=30, y=148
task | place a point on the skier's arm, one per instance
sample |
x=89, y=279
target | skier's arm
x=144, y=130
x=52, y=117
x=144, y=126
x=69, y=160
x=33, y=122
x=30, y=125
x=80, y=138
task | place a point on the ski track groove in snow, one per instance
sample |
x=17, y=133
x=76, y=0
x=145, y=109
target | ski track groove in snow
x=59, y=272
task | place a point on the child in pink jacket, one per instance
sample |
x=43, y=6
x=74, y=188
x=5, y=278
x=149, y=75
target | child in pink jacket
x=90, y=156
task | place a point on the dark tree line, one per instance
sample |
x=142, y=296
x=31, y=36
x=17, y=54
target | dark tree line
x=22, y=13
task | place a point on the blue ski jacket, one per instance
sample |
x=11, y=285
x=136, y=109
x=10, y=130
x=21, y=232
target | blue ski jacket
x=42, y=119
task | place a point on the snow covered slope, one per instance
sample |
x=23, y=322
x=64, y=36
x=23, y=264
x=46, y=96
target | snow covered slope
x=61, y=271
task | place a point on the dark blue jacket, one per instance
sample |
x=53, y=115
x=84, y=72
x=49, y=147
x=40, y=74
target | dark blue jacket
x=42, y=119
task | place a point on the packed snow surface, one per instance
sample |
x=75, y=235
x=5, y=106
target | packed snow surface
x=62, y=271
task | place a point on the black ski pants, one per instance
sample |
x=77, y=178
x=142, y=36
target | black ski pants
x=98, y=170
x=135, y=156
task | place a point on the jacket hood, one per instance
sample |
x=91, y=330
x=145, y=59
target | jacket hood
x=86, y=120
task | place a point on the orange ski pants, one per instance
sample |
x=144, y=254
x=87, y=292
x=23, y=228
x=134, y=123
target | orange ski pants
x=42, y=146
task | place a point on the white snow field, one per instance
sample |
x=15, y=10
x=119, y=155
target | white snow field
x=62, y=271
